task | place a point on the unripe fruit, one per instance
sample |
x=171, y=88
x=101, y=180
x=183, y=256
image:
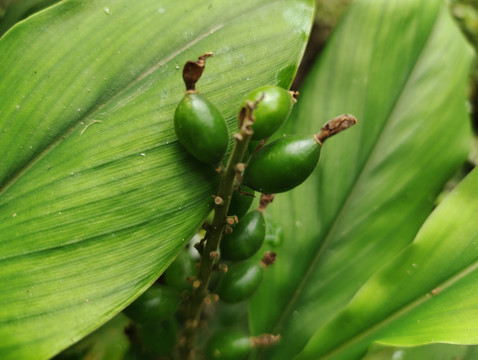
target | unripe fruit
x=201, y=128
x=159, y=337
x=283, y=164
x=246, y=238
x=182, y=268
x=241, y=201
x=240, y=281
x=156, y=303
x=228, y=345
x=272, y=111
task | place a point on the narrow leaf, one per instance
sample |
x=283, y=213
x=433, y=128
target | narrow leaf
x=426, y=295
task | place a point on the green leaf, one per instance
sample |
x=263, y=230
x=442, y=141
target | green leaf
x=16, y=10
x=401, y=68
x=97, y=197
x=431, y=351
x=434, y=351
x=109, y=342
x=427, y=294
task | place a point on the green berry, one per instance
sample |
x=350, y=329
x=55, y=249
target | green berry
x=201, y=128
x=159, y=337
x=228, y=345
x=182, y=268
x=283, y=164
x=272, y=111
x=246, y=238
x=240, y=281
x=156, y=303
x=241, y=201
x=252, y=147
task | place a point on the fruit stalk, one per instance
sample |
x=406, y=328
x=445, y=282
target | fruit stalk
x=215, y=231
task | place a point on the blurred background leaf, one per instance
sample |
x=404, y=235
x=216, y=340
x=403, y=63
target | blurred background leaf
x=401, y=67
x=432, y=351
x=12, y=11
x=427, y=294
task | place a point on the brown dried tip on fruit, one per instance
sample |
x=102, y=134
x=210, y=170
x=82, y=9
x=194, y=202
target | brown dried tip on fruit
x=334, y=126
x=220, y=267
x=269, y=258
x=265, y=340
x=265, y=200
x=193, y=70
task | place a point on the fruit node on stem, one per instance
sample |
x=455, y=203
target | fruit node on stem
x=295, y=95
x=265, y=200
x=218, y=200
x=246, y=116
x=269, y=258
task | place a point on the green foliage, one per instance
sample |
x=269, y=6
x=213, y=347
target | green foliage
x=97, y=197
x=374, y=186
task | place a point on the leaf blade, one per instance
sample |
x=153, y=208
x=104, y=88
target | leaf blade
x=414, y=298
x=97, y=197
x=372, y=191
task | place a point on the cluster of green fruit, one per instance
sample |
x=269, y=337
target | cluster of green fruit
x=256, y=166
x=277, y=167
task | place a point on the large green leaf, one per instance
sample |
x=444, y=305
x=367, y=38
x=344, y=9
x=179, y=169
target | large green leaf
x=96, y=195
x=401, y=68
x=427, y=294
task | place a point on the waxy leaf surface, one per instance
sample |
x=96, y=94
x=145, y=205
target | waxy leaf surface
x=97, y=197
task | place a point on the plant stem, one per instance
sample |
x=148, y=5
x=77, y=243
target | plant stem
x=214, y=234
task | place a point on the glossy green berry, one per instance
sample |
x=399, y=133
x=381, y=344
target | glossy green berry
x=228, y=345
x=246, y=238
x=282, y=165
x=201, y=128
x=272, y=111
x=159, y=338
x=240, y=281
x=156, y=303
x=241, y=201
x=180, y=270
